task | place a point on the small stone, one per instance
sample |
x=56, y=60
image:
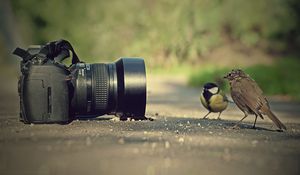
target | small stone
x=135, y=150
x=198, y=124
x=88, y=141
x=167, y=145
x=254, y=142
x=121, y=141
x=188, y=122
x=153, y=145
x=181, y=140
x=226, y=155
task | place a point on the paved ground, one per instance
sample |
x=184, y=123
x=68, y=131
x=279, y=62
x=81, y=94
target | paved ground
x=178, y=141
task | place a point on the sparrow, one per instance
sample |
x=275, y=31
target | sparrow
x=249, y=97
x=213, y=99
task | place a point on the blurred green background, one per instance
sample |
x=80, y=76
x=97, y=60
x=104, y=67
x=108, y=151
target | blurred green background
x=201, y=39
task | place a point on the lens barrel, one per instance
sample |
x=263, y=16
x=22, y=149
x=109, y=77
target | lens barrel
x=117, y=88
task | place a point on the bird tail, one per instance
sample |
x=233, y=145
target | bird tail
x=277, y=122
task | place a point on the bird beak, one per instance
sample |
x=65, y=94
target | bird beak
x=225, y=77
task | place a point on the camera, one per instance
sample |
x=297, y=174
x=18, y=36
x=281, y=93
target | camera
x=51, y=92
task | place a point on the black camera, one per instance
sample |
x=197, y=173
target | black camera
x=51, y=92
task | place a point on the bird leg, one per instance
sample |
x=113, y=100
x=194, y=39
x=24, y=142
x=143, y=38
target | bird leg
x=253, y=127
x=206, y=115
x=235, y=126
x=219, y=118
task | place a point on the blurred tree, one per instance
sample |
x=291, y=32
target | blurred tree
x=164, y=31
x=9, y=36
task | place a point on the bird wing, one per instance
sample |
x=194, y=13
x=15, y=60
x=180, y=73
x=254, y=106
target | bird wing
x=247, y=93
x=262, y=99
x=237, y=97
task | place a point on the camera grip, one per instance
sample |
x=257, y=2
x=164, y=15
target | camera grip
x=44, y=95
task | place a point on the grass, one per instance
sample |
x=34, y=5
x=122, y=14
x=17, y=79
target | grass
x=281, y=78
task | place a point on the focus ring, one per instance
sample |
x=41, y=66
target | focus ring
x=100, y=85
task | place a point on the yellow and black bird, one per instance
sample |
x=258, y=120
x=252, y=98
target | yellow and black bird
x=213, y=99
x=248, y=96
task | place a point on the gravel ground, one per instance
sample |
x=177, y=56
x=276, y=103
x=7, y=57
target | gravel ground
x=178, y=141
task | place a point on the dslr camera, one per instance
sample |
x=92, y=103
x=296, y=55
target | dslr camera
x=51, y=92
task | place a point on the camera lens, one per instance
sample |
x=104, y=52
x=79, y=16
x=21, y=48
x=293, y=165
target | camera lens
x=117, y=88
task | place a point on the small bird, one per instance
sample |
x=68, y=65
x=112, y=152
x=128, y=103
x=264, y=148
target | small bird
x=248, y=96
x=213, y=99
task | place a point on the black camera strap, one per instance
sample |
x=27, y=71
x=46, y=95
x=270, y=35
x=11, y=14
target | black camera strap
x=56, y=51
x=59, y=49
x=23, y=54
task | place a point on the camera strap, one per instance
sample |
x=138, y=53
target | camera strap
x=23, y=54
x=56, y=51
x=59, y=50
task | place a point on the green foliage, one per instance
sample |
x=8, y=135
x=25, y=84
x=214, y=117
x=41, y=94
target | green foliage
x=281, y=78
x=164, y=31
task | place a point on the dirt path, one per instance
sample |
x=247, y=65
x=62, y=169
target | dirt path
x=176, y=142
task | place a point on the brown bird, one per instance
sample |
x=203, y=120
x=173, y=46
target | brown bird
x=248, y=96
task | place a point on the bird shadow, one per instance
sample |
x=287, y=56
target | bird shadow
x=230, y=124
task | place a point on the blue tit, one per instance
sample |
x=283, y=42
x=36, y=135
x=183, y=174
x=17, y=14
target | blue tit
x=213, y=99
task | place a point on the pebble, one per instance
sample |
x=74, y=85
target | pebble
x=254, y=142
x=167, y=145
x=121, y=141
x=181, y=140
x=135, y=150
x=226, y=155
x=153, y=145
x=88, y=141
x=115, y=119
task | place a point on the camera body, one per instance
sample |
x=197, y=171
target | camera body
x=51, y=92
x=44, y=94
